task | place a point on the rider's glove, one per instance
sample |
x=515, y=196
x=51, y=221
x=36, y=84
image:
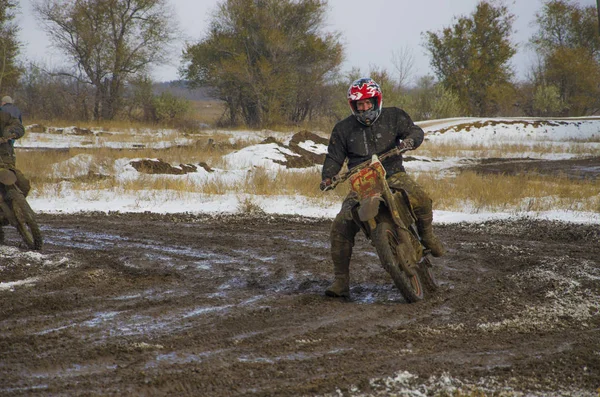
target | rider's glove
x=407, y=144
x=325, y=184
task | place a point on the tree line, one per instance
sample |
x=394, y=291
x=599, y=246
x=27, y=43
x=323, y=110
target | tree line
x=272, y=63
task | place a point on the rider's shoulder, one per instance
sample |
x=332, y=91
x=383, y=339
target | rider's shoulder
x=392, y=110
x=343, y=125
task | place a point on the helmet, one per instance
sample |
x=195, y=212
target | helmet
x=365, y=88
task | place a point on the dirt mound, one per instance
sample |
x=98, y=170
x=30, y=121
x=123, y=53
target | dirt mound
x=310, y=158
x=158, y=166
x=36, y=128
x=305, y=158
x=480, y=124
x=304, y=136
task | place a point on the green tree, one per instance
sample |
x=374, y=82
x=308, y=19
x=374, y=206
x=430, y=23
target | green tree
x=9, y=45
x=267, y=59
x=108, y=42
x=568, y=45
x=431, y=100
x=392, y=91
x=169, y=108
x=471, y=58
x=546, y=100
x=564, y=23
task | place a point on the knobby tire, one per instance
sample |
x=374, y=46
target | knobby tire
x=427, y=277
x=385, y=240
x=26, y=223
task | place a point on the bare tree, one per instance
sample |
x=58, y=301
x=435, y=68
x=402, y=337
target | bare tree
x=404, y=62
x=108, y=42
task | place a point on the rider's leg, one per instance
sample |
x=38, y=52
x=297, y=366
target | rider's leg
x=22, y=182
x=429, y=239
x=422, y=207
x=343, y=231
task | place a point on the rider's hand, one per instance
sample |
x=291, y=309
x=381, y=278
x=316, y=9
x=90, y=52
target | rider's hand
x=325, y=184
x=407, y=144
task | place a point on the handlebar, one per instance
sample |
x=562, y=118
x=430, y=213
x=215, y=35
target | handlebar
x=336, y=180
x=7, y=138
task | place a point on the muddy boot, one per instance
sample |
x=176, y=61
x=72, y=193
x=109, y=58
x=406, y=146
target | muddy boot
x=429, y=239
x=340, y=254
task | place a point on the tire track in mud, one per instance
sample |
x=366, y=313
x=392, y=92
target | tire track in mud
x=226, y=305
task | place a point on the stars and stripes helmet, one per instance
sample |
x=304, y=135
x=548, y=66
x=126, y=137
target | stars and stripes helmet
x=365, y=88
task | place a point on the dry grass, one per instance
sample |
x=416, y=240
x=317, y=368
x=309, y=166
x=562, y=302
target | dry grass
x=49, y=169
x=511, y=193
x=459, y=149
x=104, y=125
x=208, y=112
x=40, y=164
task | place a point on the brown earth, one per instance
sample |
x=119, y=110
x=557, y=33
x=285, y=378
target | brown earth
x=146, y=304
x=577, y=168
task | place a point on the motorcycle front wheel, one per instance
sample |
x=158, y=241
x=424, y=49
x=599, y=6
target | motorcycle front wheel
x=385, y=240
x=26, y=223
x=427, y=277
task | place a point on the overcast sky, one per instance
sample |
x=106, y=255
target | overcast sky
x=370, y=33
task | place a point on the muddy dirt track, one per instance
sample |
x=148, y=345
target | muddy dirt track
x=145, y=304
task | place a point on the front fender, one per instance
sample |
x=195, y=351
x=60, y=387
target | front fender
x=369, y=208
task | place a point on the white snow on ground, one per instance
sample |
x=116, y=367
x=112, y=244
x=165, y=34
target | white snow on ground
x=557, y=134
x=492, y=130
x=313, y=147
x=271, y=155
x=15, y=257
x=262, y=155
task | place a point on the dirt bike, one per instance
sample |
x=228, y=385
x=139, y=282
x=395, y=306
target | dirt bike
x=15, y=211
x=388, y=221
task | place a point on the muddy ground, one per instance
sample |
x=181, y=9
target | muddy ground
x=146, y=304
x=576, y=168
x=169, y=305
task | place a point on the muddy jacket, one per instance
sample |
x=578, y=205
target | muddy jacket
x=358, y=142
x=13, y=110
x=8, y=126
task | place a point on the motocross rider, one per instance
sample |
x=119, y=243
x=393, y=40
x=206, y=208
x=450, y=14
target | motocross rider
x=370, y=130
x=11, y=127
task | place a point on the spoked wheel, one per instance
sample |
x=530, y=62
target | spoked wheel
x=426, y=275
x=385, y=241
x=26, y=223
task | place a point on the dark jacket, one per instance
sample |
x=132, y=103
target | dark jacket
x=358, y=142
x=13, y=110
x=9, y=125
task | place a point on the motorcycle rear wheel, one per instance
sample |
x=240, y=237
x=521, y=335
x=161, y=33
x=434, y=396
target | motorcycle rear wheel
x=385, y=241
x=26, y=223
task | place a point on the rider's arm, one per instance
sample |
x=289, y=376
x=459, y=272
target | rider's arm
x=407, y=129
x=336, y=154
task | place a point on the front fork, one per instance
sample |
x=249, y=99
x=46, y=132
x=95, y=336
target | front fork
x=409, y=250
x=7, y=212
